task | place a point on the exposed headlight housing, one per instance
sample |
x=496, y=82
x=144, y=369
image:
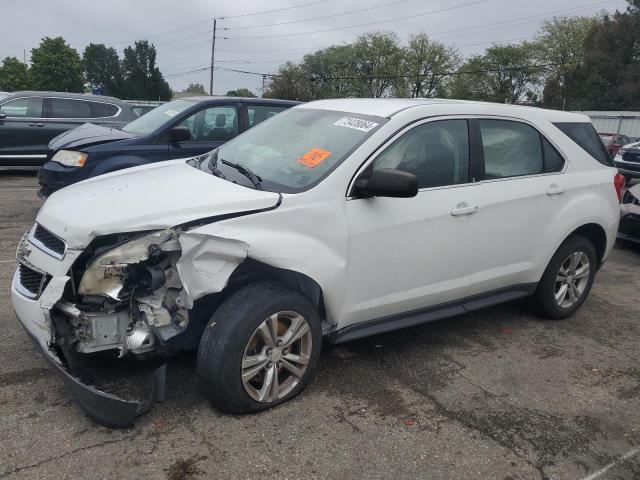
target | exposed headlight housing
x=70, y=158
x=108, y=273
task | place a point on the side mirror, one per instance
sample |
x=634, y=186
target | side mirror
x=387, y=183
x=179, y=134
x=2, y=115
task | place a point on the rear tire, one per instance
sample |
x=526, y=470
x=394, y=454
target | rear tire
x=247, y=354
x=567, y=280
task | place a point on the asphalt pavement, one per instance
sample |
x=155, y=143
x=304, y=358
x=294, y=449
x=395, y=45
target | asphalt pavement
x=497, y=394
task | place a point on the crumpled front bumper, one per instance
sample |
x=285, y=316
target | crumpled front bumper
x=104, y=408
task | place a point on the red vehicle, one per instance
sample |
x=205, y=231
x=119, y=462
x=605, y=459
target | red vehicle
x=614, y=142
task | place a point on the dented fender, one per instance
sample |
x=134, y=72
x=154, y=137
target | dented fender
x=207, y=262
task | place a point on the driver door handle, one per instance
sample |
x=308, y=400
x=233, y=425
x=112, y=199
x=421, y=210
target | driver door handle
x=464, y=209
x=555, y=189
x=36, y=124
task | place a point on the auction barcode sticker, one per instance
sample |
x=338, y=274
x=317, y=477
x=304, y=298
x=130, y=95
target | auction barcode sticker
x=356, y=123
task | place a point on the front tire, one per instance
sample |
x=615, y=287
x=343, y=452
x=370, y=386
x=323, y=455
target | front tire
x=259, y=349
x=567, y=280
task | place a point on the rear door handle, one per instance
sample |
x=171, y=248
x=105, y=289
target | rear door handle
x=555, y=189
x=464, y=209
x=36, y=124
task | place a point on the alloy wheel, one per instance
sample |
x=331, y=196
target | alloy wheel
x=572, y=279
x=276, y=356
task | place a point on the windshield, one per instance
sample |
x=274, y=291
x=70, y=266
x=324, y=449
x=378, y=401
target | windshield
x=296, y=149
x=157, y=117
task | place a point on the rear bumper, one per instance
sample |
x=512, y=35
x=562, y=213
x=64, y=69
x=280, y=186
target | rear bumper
x=53, y=176
x=105, y=408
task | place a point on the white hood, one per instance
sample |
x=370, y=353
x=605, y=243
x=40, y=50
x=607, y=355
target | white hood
x=151, y=197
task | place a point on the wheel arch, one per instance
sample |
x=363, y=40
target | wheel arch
x=251, y=270
x=596, y=234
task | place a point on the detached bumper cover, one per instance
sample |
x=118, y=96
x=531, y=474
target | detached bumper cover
x=104, y=408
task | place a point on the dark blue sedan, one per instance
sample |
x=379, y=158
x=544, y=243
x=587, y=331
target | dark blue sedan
x=178, y=129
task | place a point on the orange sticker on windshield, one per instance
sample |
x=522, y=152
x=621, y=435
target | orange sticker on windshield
x=314, y=157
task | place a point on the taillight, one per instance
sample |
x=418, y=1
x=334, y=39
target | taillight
x=619, y=182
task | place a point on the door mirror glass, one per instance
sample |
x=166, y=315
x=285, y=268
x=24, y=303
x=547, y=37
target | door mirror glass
x=387, y=183
x=179, y=134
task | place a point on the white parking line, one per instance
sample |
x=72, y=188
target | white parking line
x=13, y=189
x=7, y=261
x=615, y=463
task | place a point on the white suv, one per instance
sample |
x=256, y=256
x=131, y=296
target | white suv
x=336, y=219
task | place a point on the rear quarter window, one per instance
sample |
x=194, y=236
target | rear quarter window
x=99, y=109
x=586, y=137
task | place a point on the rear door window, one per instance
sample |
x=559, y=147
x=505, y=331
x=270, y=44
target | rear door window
x=511, y=149
x=68, y=108
x=260, y=113
x=553, y=161
x=586, y=137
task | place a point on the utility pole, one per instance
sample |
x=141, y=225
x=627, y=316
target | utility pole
x=213, y=55
x=264, y=84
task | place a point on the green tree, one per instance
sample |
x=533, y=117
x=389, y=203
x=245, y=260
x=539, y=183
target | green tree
x=196, y=88
x=241, y=92
x=56, y=66
x=331, y=72
x=102, y=69
x=609, y=78
x=504, y=74
x=378, y=62
x=142, y=78
x=14, y=75
x=424, y=60
x=290, y=83
x=561, y=44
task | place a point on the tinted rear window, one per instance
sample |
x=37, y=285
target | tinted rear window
x=99, y=109
x=68, y=108
x=586, y=137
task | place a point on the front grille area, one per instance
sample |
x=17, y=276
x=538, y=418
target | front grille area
x=31, y=280
x=49, y=240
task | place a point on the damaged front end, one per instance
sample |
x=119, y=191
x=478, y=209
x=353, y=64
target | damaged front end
x=129, y=297
x=629, y=229
x=122, y=294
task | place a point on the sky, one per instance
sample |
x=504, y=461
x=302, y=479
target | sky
x=258, y=36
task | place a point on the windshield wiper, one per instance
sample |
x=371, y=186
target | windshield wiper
x=255, y=179
x=213, y=165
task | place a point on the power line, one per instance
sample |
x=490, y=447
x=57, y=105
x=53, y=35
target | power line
x=464, y=31
x=468, y=4
x=273, y=11
x=527, y=19
x=391, y=77
x=348, y=12
x=207, y=20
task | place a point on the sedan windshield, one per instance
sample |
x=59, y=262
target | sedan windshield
x=296, y=149
x=150, y=122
